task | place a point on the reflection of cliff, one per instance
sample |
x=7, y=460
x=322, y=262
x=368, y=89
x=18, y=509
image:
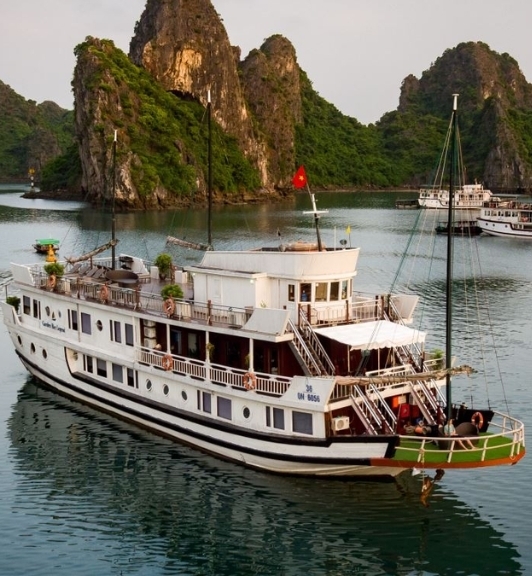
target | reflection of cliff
x=207, y=516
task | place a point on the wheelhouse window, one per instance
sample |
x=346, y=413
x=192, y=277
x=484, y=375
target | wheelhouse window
x=321, y=292
x=345, y=288
x=302, y=422
x=305, y=294
x=86, y=323
x=291, y=292
x=335, y=291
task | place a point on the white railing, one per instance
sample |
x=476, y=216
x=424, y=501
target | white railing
x=215, y=373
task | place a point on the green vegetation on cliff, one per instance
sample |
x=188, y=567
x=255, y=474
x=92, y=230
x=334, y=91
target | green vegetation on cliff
x=31, y=134
x=167, y=133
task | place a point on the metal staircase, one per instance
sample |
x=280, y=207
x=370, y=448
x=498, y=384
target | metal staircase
x=310, y=353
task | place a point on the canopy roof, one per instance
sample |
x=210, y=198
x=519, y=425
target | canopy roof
x=47, y=241
x=373, y=335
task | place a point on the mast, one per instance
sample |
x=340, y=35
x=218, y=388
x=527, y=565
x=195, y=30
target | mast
x=449, y=288
x=113, y=219
x=209, y=177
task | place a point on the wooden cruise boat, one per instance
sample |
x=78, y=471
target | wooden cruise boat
x=44, y=245
x=270, y=359
x=507, y=218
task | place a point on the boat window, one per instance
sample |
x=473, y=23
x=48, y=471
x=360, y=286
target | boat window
x=184, y=395
x=302, y=422
x=99, y=325
x=129, y=334
x=131, y=378
x=116, y=331
x=335, y=291
x=73, y=320
x=86, y=323
x=89, y=365
x=44, y=354
x=207, y=402
x=246, y=412
x=47, y=310
x=291, y=292
x=321, y=292
x=306, y=292
x=101, y=368
x=32, y=348
x=148, y=385
x=26, y=305
x=344, y=289
x=118, y=373
x=278, y=418
x=36, y=309
x=224, y=408
x=166, y=390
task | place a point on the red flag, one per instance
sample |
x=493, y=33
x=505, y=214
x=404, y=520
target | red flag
x=300, y=178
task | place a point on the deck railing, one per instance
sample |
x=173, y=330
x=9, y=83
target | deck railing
x=216, y=373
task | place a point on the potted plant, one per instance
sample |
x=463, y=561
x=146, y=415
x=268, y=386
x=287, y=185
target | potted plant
x=172, y=291
x=54, y=270
x=14, y=301
x=164, y=264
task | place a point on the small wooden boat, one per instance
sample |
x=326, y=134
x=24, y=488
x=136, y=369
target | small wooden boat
x=460, y=228
x=42, y=245
x=407, y=204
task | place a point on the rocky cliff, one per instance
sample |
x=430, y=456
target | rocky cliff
x=496, y=101
x=184, y=46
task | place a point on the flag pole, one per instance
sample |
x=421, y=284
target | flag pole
x=316, y=217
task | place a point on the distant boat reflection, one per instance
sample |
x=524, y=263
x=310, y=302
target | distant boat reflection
x=218, y=518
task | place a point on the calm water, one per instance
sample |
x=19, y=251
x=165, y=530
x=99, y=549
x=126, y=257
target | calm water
x=84, y=494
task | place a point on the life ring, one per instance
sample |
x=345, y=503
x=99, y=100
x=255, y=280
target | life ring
x=169, y=306
x=478, y=420
x=52, y=281
x=168, y=362
x=250, y=381
x=104, y=293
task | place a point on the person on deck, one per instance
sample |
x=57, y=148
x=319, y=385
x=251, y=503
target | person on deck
x=449, y=430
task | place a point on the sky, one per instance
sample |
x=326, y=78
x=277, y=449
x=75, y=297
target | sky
x=355, y=52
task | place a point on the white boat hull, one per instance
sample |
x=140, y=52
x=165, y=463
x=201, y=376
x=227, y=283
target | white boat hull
x=277, y=455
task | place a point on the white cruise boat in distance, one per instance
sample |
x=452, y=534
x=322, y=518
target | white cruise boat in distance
x=466, y=197
x=507, y=218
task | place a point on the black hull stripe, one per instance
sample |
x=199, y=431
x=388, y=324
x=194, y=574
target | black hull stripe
x=216, y=426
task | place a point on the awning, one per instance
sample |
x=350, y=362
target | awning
x=373, y=335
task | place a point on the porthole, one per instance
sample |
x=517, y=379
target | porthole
x=32, y=348
x=184, y=395
x=166, y=389
x=246, y=412
x=99, y=325
x=44, y=354
x=148, y=385
x=47, y=310
x=19, y=340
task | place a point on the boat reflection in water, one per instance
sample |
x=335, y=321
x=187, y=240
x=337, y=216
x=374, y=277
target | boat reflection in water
x=132, y=499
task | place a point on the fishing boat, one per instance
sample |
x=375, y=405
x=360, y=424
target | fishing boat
x=506, y=218
x=44, y=245
x=267, y=357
